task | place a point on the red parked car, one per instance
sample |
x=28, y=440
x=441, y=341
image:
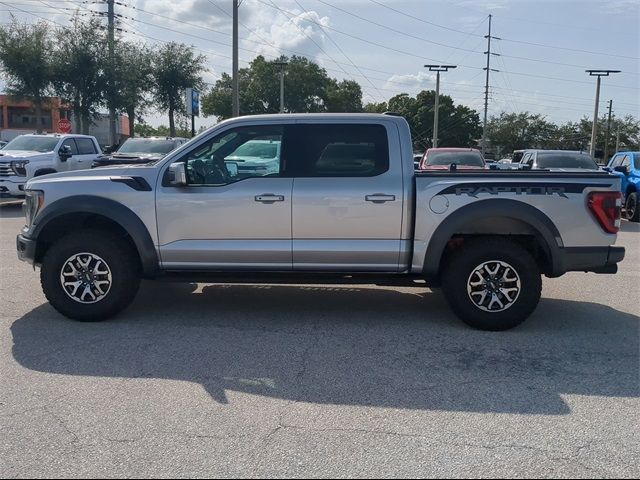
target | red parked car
x=442, y=158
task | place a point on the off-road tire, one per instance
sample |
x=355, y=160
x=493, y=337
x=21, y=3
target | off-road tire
x=463, y=263
x=122, y=264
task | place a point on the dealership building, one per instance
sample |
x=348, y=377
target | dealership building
x=19, y=117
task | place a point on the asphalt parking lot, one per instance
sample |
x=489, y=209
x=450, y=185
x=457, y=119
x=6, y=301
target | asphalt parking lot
x=313, y=381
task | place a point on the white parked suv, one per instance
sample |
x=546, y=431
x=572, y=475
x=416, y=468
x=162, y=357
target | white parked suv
x=29, y=156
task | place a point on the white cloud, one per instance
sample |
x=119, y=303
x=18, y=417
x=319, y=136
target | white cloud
x=622, y=6
x=411, y=82
x=273, y=31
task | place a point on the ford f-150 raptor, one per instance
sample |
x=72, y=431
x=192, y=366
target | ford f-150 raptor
x=344, y=205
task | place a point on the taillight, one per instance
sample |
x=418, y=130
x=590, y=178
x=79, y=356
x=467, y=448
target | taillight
x=606, y=208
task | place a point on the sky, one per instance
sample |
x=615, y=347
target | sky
x=543, y=50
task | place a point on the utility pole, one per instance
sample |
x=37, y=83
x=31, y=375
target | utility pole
x=594, y=129
x=437, y=69
x=235, y=108
x=486, y=85
x=282, y=66
x=606, y=138
x=111, y=40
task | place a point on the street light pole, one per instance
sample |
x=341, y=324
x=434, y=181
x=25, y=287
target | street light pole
x=282, y=66
x=235, y=95
x=437, y=69
x=594, y=129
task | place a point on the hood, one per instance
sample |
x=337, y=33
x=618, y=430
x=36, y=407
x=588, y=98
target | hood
x=134, y=155
x=96, y=172
x=8, y=155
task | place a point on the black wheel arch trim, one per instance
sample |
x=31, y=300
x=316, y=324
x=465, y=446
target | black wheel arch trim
x=112, y=210
x=541, y=223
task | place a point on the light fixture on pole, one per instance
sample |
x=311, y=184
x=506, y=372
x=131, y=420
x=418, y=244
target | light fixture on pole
x=437, y=69
x=594, y=129
x=282, y=66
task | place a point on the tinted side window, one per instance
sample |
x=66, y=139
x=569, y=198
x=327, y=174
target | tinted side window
x=332, y=150
x=71, y=143
x=85, y=146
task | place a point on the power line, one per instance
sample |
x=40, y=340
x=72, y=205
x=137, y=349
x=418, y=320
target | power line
x=426, y=21
x=392, y=29
x=556, y=47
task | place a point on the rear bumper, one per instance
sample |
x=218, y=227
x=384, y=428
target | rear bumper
x=26, y=248
x=590, y=259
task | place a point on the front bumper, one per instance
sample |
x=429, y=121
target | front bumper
x=26, y=248
x=12, y=186
x=591, y=259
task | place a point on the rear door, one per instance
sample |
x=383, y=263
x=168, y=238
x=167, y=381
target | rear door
x=87, y=153
x=347, y=196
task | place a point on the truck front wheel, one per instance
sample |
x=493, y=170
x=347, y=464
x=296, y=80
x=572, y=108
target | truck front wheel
x=90, y=275
x=492, y=284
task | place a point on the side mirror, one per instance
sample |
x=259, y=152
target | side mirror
x=621, y=169
x=232, y=168
x=178, y=175
x=64, y=153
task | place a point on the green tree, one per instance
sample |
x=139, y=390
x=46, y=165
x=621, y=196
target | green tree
x=458, y=125
x=307, y=87
x=131, y=77
x=515, y=131
x=25, y=60
x=628, y=127
x=79, y=68
x=176, y=67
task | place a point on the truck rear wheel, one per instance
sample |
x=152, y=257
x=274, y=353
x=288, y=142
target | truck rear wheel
x=90, y=276
x=492, y=284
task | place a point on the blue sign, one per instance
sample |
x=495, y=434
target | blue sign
x=193, y=102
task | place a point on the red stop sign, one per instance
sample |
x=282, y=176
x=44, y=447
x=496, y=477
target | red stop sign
x=64, y=125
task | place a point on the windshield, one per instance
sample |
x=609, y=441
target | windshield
x=27, y=143
x=472, y=159
x=264, y=149
x=636, y=160
x=147, y=145
x=565, y=160
x=517, y=156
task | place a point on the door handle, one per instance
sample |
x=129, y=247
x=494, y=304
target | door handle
x=380, y=198
x=269, y=198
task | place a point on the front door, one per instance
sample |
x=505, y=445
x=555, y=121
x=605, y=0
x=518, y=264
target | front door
x=347, y=197
x=229, y=217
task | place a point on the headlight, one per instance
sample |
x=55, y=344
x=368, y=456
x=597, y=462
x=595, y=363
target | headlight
x=19, y=167
x=33, y=202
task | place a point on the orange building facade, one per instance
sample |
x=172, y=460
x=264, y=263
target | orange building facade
x=19, y=116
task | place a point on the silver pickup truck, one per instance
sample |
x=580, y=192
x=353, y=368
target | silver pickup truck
x=344, y=206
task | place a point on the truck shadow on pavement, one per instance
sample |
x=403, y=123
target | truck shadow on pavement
x=349, y=346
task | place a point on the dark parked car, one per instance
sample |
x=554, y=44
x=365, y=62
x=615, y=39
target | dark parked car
x=140, y=151
x=554, y=159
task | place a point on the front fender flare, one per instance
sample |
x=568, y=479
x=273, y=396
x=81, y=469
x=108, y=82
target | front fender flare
x=114, y=211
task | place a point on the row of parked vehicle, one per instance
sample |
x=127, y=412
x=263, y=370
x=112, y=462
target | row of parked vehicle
x=625, y=165
x=34, y=155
